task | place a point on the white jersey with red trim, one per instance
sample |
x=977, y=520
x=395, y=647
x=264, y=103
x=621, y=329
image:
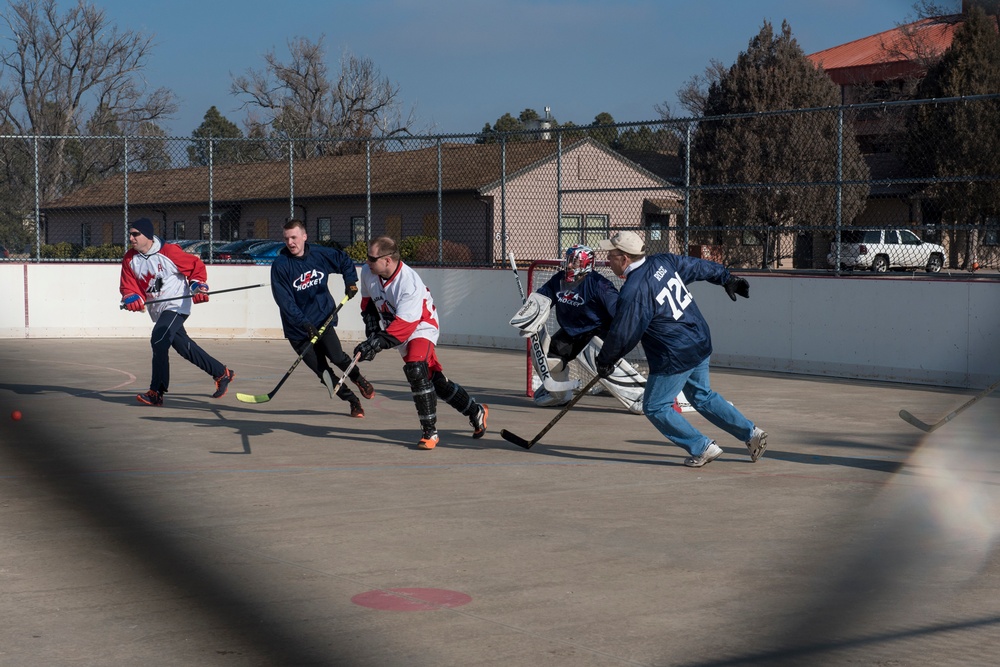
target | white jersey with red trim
x=161, y=273
x=404, y=304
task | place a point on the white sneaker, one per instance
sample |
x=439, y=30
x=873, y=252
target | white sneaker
x=712, y=452
x=757, y=444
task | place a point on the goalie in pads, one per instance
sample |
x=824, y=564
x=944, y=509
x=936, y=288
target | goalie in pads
x=585, y=303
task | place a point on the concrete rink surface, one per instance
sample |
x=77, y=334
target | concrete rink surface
x=213, y=532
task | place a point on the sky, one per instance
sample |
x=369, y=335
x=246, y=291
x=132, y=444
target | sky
x=460, y=64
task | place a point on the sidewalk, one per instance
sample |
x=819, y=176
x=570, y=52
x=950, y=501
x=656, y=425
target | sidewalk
x=213, y=532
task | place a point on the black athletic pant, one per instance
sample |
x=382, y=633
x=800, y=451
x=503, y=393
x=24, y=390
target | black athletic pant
x=168, y=331
x=566, y=347
x=328, y=347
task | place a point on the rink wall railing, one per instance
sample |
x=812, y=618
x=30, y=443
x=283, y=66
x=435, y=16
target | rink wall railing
x=944, y=332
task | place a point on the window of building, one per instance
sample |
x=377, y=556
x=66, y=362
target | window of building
x=323, y=229
x=991, y=235
x=589, y=229
x=357, y=228
x=85, y=234
x=179, y=230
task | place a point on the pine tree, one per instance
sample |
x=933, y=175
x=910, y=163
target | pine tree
x=753, y=155
x=215, y=126
x=962, y=139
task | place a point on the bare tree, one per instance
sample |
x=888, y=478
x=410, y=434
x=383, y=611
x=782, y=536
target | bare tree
x=71, y=74
x=299, y=100
x=693, y=95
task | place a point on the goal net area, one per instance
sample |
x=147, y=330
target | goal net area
x=539, y=272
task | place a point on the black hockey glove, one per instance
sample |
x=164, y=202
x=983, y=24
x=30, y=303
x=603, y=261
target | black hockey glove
x=605, y=370
x=350, y=290
x=311, y=330
x=375, y=344
x=736, y=285
x=371, y=319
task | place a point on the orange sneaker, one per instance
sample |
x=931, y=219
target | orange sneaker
x=222, y=383
x=151, y=397
x=357, y=410
x=429, y=441
x=478, y=421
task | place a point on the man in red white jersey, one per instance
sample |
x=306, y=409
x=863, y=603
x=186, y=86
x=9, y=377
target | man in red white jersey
x=154, y=270
x=399, y=312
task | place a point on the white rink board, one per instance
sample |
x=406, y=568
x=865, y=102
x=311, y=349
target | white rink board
x=941, y=332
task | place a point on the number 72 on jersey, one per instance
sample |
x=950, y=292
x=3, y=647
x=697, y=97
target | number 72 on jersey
x=676, y=294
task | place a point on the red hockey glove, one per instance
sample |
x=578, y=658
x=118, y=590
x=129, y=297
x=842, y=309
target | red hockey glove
x=134, y=303
x=199, y=292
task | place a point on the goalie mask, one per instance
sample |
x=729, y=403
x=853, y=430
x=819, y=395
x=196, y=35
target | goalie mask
x=579, y=262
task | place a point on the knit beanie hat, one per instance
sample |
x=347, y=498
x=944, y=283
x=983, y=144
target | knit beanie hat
x=143, y=225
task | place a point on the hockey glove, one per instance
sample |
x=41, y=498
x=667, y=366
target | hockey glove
x=375, y=344
x=371, y=319
x=199, y=292
x=736, y=285
x=605, y=370
x=134, y=303
x=350, y=290
x=311, y=330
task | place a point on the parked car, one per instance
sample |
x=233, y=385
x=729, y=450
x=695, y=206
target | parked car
x=233, y=251
x=884, y=249
x=264, y=253
x=193, y=246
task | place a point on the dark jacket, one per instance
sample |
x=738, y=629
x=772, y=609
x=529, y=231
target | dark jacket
x=300, y=287
x=656, y=308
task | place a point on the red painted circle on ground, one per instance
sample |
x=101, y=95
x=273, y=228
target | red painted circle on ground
x=411, y=599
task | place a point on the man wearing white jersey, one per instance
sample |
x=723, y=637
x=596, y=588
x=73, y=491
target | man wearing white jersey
x=398, y=311
x=154, y=270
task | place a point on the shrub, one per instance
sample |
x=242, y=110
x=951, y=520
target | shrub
x=64, y=250
x=106, y=251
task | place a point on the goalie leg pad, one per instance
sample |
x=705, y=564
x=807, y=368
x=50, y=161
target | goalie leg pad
x=531, y=317
x=625, y=383
x=453, y=394
x=423, y=393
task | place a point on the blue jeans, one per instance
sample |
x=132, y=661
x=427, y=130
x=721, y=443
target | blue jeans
x=658, y=406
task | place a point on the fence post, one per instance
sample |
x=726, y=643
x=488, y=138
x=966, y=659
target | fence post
x=38, y=206
x=440, y=186
x=291, y=184
x=840, y=188
x=687, y=190
x=503, y=193
x=125, y=195
x=368, y=191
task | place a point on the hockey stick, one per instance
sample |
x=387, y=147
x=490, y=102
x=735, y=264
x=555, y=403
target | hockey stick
x=354, y=362
x=528, y=444
x=264, y=398
x=188, y=296
x=923, y=426
x=549, y=382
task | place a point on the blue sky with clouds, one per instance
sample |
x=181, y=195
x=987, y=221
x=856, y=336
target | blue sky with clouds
x=464, y=63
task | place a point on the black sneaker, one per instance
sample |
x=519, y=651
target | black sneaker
x=222, y=383
x=478, y=421
x=365, y=387
x=151, y=397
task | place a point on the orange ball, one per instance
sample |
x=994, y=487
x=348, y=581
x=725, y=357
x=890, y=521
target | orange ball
x=16, y=415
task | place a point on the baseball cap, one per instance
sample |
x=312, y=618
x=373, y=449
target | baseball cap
x=628, y=242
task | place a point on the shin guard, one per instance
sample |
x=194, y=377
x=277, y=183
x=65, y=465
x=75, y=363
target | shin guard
x=453, y=394
x=423, y=393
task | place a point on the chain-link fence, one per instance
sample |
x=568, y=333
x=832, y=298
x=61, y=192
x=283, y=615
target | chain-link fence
x=907, y=185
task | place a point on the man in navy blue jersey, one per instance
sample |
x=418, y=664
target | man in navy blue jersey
x=300, y=278
x=656, y=309
x=584, y=302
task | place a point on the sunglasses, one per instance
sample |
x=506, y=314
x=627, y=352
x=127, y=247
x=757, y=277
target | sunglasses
x=134, y=234
x=375, y=259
